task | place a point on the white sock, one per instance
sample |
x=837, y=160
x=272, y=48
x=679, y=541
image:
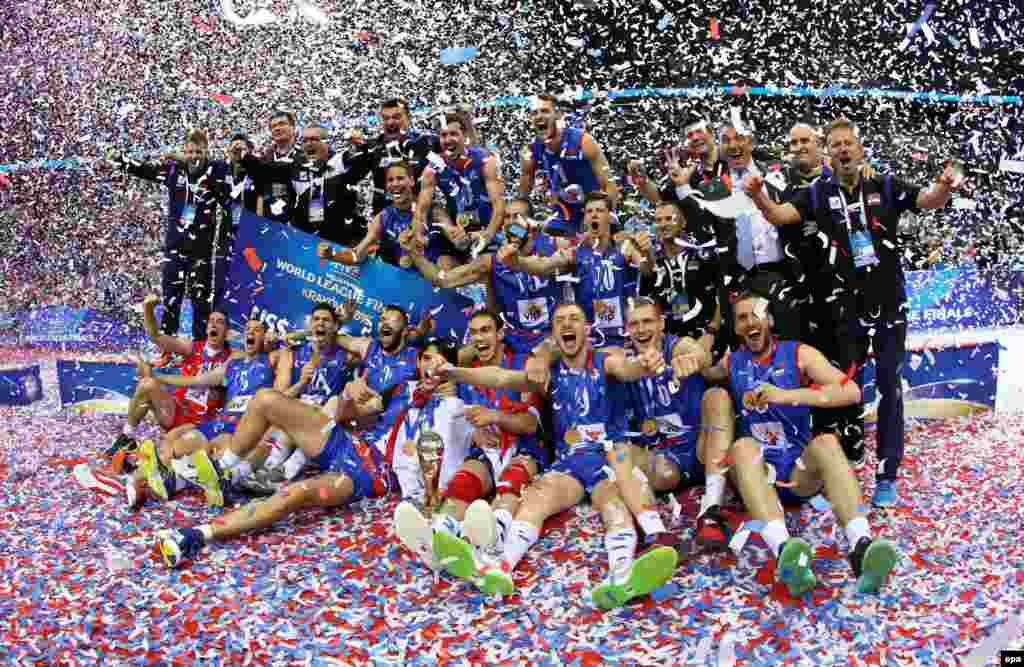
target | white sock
x=714, y=489
x=128, y=430
x=651, y=522
x=621, y=546
x=295, y=463
x=229, y=460
x=857, y=528
x=519, y=538
x=280, y=448
x=207, y=532
x=503, y=522
x=775, y=534
x=447, y=523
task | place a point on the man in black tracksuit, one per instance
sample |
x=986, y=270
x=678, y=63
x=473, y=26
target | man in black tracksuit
x=195, y=190
x=860, y=217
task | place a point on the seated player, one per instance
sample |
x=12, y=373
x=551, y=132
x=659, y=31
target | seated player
x=185, y=406
x=243, y=375
x=588, y=414
x=506, y=455
x=354, y=464
x=774, y=384
x=669, y=408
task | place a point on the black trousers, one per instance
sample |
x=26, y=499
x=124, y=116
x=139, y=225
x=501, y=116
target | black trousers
x=184, y=275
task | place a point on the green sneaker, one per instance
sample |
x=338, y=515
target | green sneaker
x=208, y=477
x=793, y=567
x=872, y=561
x=495, y=582
x=456, y=556
x=154, y=471
x=647, y=573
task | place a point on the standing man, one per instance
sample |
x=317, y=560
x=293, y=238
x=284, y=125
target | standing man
x=277, y=196
x=194, y=189
x=860, y=215
x=606, y=275
x=571, y=161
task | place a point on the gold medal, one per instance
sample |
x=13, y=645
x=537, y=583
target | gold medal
x=409, y=447
x=572, y=437
x=405, y=261
x=649, y=427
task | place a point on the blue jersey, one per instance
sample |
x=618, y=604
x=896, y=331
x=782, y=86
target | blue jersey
x=464, y=187
x=388, y=373
x=605, y=282
x=672, y=408
x=506, y=400
x=243, y=378
x=394, y=221
x=586, y=405
x=330, y=378
x=569, y=173
x=780, y=427
x=526, y=302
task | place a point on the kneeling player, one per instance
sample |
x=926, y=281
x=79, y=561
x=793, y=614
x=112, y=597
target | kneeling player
x=775, y=384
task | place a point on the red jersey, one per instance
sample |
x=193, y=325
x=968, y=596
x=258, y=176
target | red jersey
x=202, y=401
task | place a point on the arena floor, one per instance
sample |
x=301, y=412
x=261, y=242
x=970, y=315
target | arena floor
x=80, y=582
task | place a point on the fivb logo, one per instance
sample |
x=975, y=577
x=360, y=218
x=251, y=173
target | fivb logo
x=262, y=15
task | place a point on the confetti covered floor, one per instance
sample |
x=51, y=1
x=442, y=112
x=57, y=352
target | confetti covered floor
x=336, y=588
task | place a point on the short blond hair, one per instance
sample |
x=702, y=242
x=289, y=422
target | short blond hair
x=842, y=123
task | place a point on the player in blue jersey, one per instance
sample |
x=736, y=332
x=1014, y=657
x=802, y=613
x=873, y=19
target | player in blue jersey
x=243, y=375
x=683, y=429
x=606, y=275
x=469, y=180
x=506, y=455
x=352, y=466
x=571, y=162
x=774, y=385
x=525, y=303
x=588, y=416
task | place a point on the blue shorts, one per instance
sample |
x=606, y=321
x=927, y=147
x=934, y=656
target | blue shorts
x=683, y=454
x=217, y=426
x=358, y=460
x=587, y=465
x=784, y=460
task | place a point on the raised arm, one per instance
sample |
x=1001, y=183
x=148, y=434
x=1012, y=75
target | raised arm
x=492, y=376
x=630, y=369
x=463, y=274
x=171, y=344
x=938, y=195
x=689, y=357
x=643, y=184
x=599, y=164
x=534, y=264
x=213, y=378
x=424, y=200
x=495, y=185
x=357, y=255
x=527, y=171
x=776, y=214
x=829, y=388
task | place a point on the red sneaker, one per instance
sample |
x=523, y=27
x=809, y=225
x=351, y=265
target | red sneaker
x=712, y=530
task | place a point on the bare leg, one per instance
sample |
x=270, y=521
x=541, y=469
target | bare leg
x=151, y=394
x=303, y=423
x=749, y=473
x=634, y=490
x=329, y=490
x=824, y=461
x=719, y=424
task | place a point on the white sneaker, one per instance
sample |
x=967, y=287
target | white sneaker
x=414, y=531
x=479, y=525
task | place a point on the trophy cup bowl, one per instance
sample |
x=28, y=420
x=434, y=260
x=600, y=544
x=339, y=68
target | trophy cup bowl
x=430, y=449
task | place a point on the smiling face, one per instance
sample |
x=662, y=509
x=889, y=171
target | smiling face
x=543, y=118
x=431, y=359
x=846, y=151
x=391, y=329
x=668, y=222
x=282, y=130
x=803, y=144
x=646, y=326
x=699, y=139
x=753, y=324
x=736, y=148
x=255, y=334
x=453, y=140
x=485, y=334
x=399, y=184
x=323, y=327
x=571, y=330
x=216, y=328
x=314, y=143
x=394, y=120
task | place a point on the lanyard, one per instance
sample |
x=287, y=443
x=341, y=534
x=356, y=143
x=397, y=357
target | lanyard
x=846, y=210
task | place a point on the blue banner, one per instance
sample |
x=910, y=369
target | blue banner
x=96, y=386
x=962, y=298
x=20, y=386
x=943, y=382
x=276, y=275
x=77, y=328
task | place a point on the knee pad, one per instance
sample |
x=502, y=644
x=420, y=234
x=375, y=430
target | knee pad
x=464, y=486
x=512, y=481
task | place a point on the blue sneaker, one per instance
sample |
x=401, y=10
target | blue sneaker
x=885, y=493
x=179, y=545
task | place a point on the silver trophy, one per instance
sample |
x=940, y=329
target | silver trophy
x=430, y=450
